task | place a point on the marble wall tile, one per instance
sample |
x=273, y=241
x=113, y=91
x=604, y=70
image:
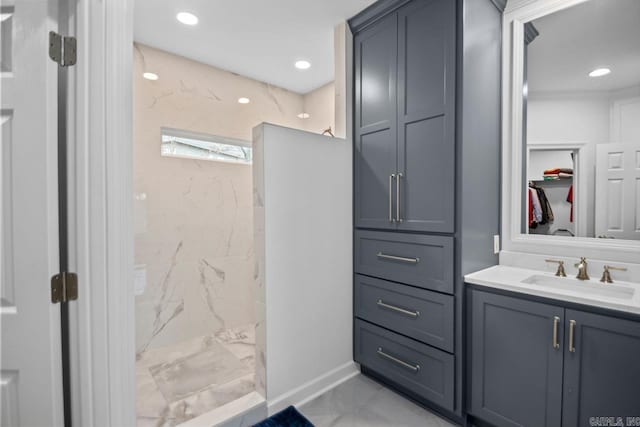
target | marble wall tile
x=259, y=261
x=320, y=105
x=261, y=349
x=194, y=239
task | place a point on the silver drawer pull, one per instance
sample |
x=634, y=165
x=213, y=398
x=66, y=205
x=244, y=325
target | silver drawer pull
x=398, y=309
x=572, y=329
x=398, y=258
x=398, y=217
x=414, y=368
x=391, y=178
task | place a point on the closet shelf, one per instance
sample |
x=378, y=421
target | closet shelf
x=557, y=182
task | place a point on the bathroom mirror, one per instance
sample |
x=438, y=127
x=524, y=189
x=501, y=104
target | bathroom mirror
x=581, y=121
x=571, y=129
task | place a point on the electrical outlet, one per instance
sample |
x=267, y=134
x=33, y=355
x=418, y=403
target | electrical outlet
x=496, y=244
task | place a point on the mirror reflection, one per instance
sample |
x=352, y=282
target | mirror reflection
x=582, y=121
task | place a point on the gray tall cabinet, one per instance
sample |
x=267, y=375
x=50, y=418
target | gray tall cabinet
x=426, y=186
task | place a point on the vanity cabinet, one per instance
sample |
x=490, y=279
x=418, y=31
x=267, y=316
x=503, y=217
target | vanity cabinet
x=541, y=364
x=602, y=374
x=516, y=371
x=426, y=186
x=405, y=70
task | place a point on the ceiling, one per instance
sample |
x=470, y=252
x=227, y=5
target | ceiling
x=577, y=40
x=260, y=39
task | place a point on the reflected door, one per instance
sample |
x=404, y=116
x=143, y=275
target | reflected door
x=31, y=370
x=618, y=191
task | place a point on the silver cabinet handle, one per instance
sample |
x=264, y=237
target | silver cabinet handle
x=414, y=368
x=556, y=322
x=572, y=327
x=415, y=313
x=398, y=258
x=391, y=178
x=398, y=217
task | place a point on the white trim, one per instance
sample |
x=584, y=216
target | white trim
x=512, y=150
x=101, y=238
x=313, y=388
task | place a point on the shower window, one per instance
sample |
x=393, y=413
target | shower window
x=185, y=144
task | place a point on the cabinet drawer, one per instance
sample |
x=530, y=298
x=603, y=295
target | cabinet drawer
x=423, y=261
x=421, y=369
x=420, y=314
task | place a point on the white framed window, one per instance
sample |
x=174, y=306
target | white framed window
x=201, y=146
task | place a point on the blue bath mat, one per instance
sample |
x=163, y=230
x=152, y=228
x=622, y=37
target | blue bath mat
x=289, y=417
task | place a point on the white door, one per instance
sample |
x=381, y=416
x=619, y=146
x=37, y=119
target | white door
x=618, y=191
x=30, y=365
x=625, y=122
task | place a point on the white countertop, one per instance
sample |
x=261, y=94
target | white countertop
x=512, y=279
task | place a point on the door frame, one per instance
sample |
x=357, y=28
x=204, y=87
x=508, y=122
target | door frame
x=102, y=320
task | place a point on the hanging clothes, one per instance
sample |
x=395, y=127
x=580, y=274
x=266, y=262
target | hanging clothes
x=547, y=212
x=540, y=211
x=532, y=219
x=537, y=207
x=570, y=200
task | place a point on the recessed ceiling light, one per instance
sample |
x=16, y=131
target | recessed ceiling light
x=599, y=72
x=187, y=18
x=150, y=76
x=302, y=65
x=244, y=100
x=304, y=115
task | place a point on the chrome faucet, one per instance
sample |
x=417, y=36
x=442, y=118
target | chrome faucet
x=582, y=269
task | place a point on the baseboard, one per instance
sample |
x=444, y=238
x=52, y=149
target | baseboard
x=314, y=388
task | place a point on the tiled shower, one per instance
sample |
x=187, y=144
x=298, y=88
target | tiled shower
x=195, y=339
x=193, y=218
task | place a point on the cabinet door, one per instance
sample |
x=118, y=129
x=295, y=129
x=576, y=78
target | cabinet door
x=516, y=371
x=426, y=115
x=375, y=124
x=602, y=374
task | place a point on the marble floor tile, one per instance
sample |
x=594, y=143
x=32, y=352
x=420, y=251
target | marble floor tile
x=154, y=422
x=214, y=366
x=150, y=402
x=185, y=380
x=241, y=342
x=362, y=402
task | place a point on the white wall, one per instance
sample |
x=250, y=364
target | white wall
x=303, y=225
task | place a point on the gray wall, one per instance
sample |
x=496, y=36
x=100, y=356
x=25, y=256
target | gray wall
x=479, y=130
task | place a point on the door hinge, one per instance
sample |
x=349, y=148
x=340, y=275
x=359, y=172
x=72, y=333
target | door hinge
x=62, y=49
x=64, y=287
